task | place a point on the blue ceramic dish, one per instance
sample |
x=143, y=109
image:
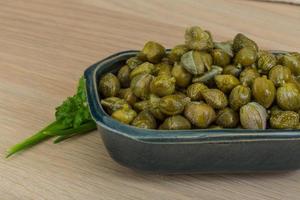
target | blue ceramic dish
x=209, y=151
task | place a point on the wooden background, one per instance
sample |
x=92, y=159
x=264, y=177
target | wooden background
x=45, y=47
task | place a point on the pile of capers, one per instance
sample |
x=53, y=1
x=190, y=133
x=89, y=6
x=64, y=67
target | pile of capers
x=204, y=84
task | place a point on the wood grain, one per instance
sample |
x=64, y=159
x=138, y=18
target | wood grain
x=44, y=48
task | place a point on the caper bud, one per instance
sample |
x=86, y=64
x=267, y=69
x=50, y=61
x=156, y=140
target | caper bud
x=215, y=98
x=128, y=96
x=232, y=70
x=140, y=85
x=196, y=62
x=208, y=77
x=112, y=104
x=291, y=62
x=172, y=104
x=253, y=116
x=183, y=77
x=225, y=47
x=176, y=122
x=144, y=120
x=123, y=76
x=245, y=57
x=124, y=115
x=239, y=96
x=220, y=57
x=275, y=109
x=144, y=68
x=198, y=39
x=227, y=118
x=280, y=74
x=266, y=62
x=288, y=97
x=248, y=75
x=163, y=85
x=240, y=41
x=194, y=91
x=200, y=114
x=177, y=52
x=154, y=107
x=284, y=120
x=263, y=91
x=133, y=62
x=109, y=85
x=163, y=69
x=152, y=52
x=141, y=105
x=226, y=82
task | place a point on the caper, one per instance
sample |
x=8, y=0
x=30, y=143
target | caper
x=152, y=52
x=245, y=57
x=253, y=116
x=140, y=85
x=266, y=62
x=124, y=115
x=226, y=82
x=123, y=76
x=248, y=75
x=112, y=104
x=292, y=62
x=144, y=120
x=144, y=68
x=141, y=105
x=232, y=70
x=280, y=74
x=198, y=39
x=239, y=96
x=264, y=91
x=227, y=118
x=240, y=41
x=163, y=69
x=109, y=85
x=220, y=57
x=172, y=104
x=177, y=52
x=194, y=91
x=163, y=85
x=128, y=96
x=208, y=77
x=133, y=62
x=275, y=109
x=176, y=122
x=215, y=98
x=284, y=120
x=154, y=107
x=183, y=77
x=200, y=114
x=196, y=62
x=288, y=97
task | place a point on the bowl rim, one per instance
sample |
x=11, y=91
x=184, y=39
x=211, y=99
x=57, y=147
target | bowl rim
x=170, y=136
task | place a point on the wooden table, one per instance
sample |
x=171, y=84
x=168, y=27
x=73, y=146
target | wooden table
x=44, y=48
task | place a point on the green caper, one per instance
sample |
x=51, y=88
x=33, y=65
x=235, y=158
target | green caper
x=196, y=62
x=177, y=52
x=141, y=105
x=220, y=57
x=239, y=96
x=225, y=47
x=253, y=116
x=248, y=75
x=194, y=91
x=232, y=70
x=215, y=98
x=208, y=77
x=172, y=104
x=280, y=74
x=292, y=62
x=154, y=107
x=128, y=96
x=198, y=39
x=176, y=122
x=266, y=62
x=163, y=85
x=163, y=69
x=275, y=109
x=240, y=41
x=124, y=115
x=140, y=85
x=144, y=120
x=109, y=85
x=152, y=52
x=264, y=91
x=245, y=57
x=112, y=104
x=227, y=118
x=200, y=114
x=226, y=82
x=133, y=62
x=123, y=76
x=183, y=77
x=144, y=68
x=284, y=120
x=288, y=97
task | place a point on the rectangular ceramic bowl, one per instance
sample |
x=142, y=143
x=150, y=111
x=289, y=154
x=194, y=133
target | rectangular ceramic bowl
x=185, y=151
